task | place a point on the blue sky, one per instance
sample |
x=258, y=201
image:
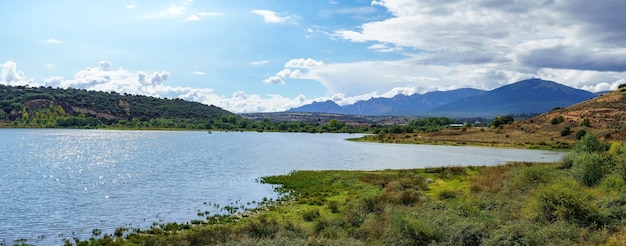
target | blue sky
x=268, y=56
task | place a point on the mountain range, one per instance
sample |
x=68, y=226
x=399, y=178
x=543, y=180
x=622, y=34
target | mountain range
x=522, y=97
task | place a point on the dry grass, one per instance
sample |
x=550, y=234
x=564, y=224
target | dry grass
x=490, y=179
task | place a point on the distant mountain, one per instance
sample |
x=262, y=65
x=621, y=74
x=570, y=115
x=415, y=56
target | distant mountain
x=399, y=105
x=320, y=107
x=527, y=96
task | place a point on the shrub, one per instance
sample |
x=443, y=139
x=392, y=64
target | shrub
x=557, y=120
x=590, y=143
x=263, y=228
x=310, y=215
x=554, y=121
x=590, y=168
x=567, y=161
x=580, y=134
x=613, y=183
x=412, y=232
x=447, y=194
x=469, y=235
x=585, y=122
x=616, y=149
x=566, y=202
x=511, y=237
x=565, y=131
x=333, y=206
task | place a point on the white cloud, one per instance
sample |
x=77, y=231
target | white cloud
x=384, y=48
x=131, y=6
x=171, y=11
x=52, y=41
x=581, y=35
x=259, y=63
x=103, y=78
x=274, y=80
x=11, y=76
x=271, y=16
x=198, y=73
x=50, y=66
x=303, y=63
x=201, y=15
x=193, y=17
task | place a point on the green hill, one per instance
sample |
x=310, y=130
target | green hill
x=50, y=107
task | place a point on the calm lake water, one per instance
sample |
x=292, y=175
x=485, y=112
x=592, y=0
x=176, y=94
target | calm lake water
x=58, y=184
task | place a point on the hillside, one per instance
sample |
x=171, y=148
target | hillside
x=28, y=104
x=605, y=116
x=606, y=111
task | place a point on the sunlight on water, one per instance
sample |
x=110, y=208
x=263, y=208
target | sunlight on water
x=59, y=184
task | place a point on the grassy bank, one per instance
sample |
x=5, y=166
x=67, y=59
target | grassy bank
x=478, y=136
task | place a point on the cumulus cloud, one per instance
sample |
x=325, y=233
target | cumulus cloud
x=274, y=80
x=12, y=76
x=271, y=16
x=103, y=78
x=478, y=44
x=585, y=36
x=303, y=63
x=292, y=70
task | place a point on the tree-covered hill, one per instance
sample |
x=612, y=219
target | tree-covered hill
x=50, y=107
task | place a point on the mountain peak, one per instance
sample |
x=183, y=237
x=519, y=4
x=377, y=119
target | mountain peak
x=327, y=106
x=526, y=96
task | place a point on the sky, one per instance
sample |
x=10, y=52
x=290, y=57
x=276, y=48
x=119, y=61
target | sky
x=271, y=55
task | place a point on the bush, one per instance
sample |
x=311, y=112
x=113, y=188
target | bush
x=565, y=131
x=412, y=232
x=555, y=121
x=310, y=215
x=469, y=234
x=580, y=134
x=566, y=202
x=263, y=228
x=567, y=161
x=616, y=149
x=590, y=168
x=511, y=237
x=590, y=143
x=585, y=122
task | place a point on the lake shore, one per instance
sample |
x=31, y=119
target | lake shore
x=492, y=205
x=476, y=136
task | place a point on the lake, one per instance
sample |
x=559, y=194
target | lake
x=59, y=184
